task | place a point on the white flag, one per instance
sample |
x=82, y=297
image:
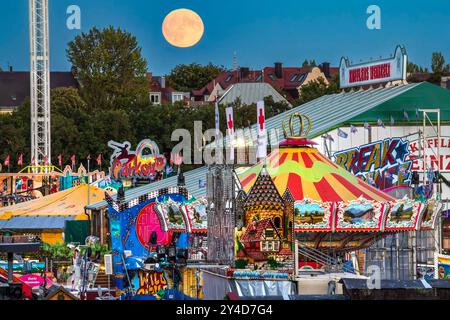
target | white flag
x=230, y=130
x=217, y=118
x=262, y=137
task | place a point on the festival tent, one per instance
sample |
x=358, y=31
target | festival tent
x=49, y=215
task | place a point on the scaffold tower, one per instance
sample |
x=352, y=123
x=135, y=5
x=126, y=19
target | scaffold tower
x=40, y=83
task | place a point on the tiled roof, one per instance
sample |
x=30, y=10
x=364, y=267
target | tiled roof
x=15, y=85
x=255, y=230
x=264, y=193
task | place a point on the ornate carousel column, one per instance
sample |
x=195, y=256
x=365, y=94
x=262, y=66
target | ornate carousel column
x=221, y=214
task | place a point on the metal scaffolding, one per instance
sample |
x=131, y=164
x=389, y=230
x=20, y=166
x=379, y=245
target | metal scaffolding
x=40, y=82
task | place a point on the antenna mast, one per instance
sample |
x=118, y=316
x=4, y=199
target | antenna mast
x=40, y=82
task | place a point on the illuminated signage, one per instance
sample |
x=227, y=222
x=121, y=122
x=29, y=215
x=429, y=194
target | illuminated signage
x=384, y=163
x=143, y=163
x=374, y=72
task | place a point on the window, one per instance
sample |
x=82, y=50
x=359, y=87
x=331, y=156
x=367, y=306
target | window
x=277, y=222
x=228, y=79
x=155, y=97
x=269, y=233
x=258, y=78
x=276, y=245
x=272, y=77
x=270, y=246
x=263, y=245
x=294, y=77
x=177, y=97
x=302, y=77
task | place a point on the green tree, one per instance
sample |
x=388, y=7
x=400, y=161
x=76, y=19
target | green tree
x=437, y=63
x=318, y=88
x=110, y=68
x=186, y=77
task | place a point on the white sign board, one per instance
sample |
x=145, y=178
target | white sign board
x=373, y=72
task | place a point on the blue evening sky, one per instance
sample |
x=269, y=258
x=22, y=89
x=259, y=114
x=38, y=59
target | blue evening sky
x=259, y=31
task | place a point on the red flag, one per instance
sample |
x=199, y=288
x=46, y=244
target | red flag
x=99, y=160
x=60, y=160
x=20, y=160
x=6, y=163
x=46, y=161
x=73, y=160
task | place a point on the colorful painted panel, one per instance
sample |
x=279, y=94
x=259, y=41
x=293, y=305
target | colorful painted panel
x=310, y=215
x=360, y=215
x=149, y=222
x=442, y=263
x=196, y=212
x=174, y=216
x=404, y=215
x=431, y=215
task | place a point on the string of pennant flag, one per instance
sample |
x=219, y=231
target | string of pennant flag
x=367, y=126
x=7, y=162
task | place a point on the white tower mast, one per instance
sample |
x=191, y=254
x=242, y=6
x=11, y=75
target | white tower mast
x=40, y=82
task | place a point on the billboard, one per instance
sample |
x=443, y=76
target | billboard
x=373, y=72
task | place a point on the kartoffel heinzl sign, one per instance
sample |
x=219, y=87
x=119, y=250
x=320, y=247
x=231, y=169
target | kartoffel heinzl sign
x=373, y=72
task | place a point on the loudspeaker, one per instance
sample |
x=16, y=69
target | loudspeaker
x=15, y=291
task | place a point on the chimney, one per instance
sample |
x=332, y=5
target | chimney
x=10, y=69
x=279, y=70
x=163, y=82
x=244, y=72
x=325, y=67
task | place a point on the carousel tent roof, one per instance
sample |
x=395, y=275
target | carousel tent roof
x=327, y=113
x=309, y=174
x=68, y=204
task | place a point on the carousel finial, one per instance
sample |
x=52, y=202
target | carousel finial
x=303, y=130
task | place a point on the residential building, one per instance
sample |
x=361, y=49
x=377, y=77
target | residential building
x=160, y=93
x=15, y=86
x=287, y=80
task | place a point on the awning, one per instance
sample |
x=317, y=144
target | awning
x=35, y=223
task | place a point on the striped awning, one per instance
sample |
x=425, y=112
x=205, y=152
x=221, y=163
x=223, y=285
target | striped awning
x=309, y=174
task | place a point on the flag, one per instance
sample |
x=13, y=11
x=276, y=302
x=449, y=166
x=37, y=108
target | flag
x=45, y=160
x=230, y=130
x=33, y=161
x=60, y=160
x=405, y=115
x=353, y=129
x=342, y=134
x=262, y=141
x=217, y=117
x=99, y=160
x=367, y=126
x=329, y=137
x=202, y=184
x=73, y=160
x=20, y=160
x=169, y=170
x=392, y=121
x=176, y=159
x=380, y=123
x=6, y=163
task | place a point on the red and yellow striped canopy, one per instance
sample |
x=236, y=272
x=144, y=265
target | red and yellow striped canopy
x=309, y=174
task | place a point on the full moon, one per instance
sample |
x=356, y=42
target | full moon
x=183, y=28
